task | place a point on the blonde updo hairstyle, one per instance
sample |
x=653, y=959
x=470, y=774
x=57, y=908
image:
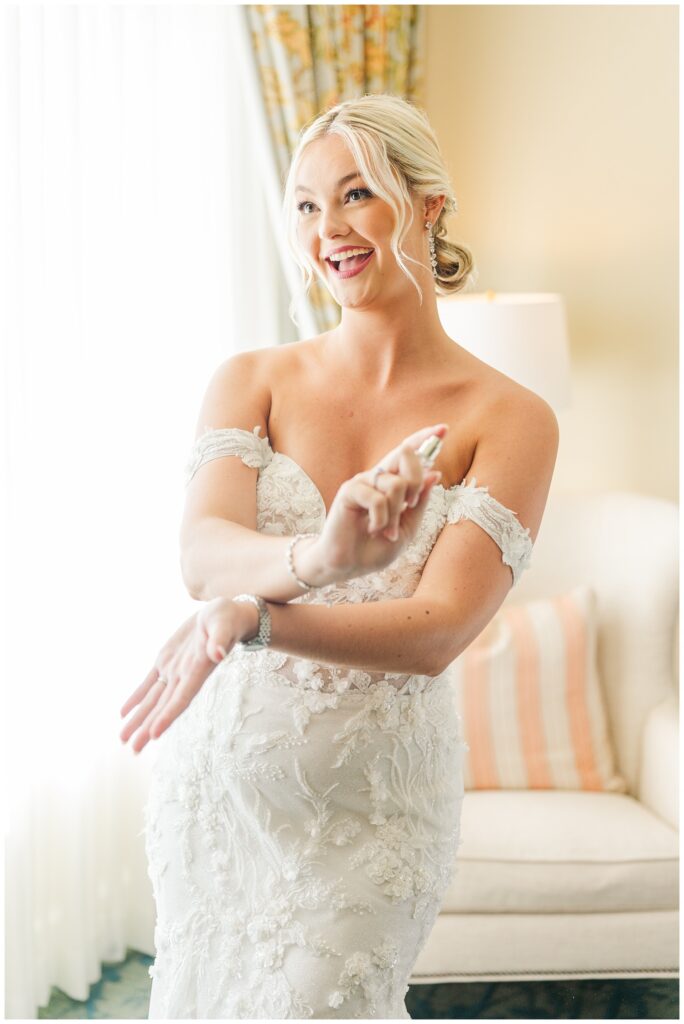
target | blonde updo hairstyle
x=397, y=153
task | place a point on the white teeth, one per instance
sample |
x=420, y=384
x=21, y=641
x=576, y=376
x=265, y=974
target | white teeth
x=339, y=256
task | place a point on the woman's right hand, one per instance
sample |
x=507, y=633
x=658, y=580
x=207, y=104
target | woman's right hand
x=369, y=525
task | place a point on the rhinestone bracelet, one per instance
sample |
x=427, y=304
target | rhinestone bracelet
x=290, y=562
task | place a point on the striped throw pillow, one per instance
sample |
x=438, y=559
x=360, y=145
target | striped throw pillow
x=528, y=693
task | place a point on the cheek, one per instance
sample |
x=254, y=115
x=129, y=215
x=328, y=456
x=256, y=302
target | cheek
x=305, y=239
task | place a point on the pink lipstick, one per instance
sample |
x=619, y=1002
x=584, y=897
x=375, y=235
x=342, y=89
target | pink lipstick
x=354, y=270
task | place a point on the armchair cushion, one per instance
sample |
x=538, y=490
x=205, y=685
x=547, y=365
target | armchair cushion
x=659, y=777
x=528, y=692
x=562, y=852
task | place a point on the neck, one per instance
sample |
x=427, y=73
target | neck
x=386, y=348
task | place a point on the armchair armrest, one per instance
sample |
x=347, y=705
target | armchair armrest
x=658, y=777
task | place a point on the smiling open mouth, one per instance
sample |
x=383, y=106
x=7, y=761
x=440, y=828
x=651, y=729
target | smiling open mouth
x=350, y=266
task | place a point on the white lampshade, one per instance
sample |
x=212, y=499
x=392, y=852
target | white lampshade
x=522, y=335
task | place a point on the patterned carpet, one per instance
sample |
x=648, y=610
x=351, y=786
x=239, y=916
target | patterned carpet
x=123, y=994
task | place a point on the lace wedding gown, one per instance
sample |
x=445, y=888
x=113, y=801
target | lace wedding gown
x=303, y=819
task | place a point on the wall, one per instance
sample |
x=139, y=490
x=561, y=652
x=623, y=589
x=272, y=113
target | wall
x=559, y=126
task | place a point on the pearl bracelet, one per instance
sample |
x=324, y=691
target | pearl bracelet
x=290, y=562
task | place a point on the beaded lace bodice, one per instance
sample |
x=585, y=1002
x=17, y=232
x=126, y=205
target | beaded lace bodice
x=288, y=502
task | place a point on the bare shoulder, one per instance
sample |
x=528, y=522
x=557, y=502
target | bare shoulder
x=516, y=449
x=276, y=359
x=253, y=371
x=238, y=393
x=241, y=390
x=258, y=362
x=514, y=409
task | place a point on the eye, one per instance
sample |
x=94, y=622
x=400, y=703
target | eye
x=363, y=192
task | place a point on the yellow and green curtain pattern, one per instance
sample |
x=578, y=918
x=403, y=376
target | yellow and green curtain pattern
x=312, y=56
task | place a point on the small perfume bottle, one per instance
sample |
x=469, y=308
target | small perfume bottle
x=429, y=450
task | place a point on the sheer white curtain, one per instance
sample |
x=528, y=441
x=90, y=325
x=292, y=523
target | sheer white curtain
x=137, y=255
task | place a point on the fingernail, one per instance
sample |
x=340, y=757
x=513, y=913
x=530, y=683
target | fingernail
x=221, y=649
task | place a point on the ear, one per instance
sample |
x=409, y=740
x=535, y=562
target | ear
x=433, y=207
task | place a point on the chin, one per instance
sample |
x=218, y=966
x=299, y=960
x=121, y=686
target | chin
x=351, y=302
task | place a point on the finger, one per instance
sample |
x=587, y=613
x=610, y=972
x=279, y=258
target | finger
x=182, y=695
x=390, y=461
x=172, y=672
x=159, y=723
x=411, y=516
x=212, y=649
x=179, y=668
x=147, y=729
x=358, y=493
x=142, y=691
x=210, y=638
x=199, y=646
x=394, y=486
x=413, y=471
x=402, y=488
x=143, y=711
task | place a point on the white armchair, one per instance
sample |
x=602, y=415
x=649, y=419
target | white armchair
x=553, y=884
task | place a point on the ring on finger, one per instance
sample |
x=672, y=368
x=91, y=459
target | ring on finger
x=378, y=471
x=161, y=679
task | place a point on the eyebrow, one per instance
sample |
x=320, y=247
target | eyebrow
x=340, y=183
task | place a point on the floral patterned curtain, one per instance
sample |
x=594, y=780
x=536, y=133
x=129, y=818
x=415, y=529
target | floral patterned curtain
x=312, y=56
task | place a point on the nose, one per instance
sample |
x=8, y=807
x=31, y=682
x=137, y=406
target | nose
x=331, y=223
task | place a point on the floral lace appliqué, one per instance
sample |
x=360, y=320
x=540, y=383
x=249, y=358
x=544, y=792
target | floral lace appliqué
x=477, y=504
x=303, y=819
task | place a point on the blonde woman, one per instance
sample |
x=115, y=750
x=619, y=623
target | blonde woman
x=303, y=819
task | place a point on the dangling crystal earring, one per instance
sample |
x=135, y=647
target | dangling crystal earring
x=433, y=250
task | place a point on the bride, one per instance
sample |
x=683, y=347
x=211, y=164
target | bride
x=303, y=816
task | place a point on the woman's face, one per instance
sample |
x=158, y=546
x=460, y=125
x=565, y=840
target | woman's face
x=337, y=212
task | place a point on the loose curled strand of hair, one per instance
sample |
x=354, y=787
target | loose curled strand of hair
x=455, y=269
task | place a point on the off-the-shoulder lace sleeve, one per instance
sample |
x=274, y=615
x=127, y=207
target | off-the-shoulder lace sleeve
x=466, y=501
x=254, y=451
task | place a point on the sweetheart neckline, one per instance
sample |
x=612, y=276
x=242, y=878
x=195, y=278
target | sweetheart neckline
x=317, y=489
x=326, y=512
x=468, y=489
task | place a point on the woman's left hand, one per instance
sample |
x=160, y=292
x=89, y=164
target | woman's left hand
x=185, y=661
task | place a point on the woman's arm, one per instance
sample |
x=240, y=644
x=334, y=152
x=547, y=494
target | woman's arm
x=391, y=636
x=224, y=559
x=223, y=554
x=398, y=636
x=406, y=635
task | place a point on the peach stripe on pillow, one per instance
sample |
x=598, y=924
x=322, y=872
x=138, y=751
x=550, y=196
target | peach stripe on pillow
x=482, y=771
x=552, y=642
x=530, y=724
x=575, y=692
